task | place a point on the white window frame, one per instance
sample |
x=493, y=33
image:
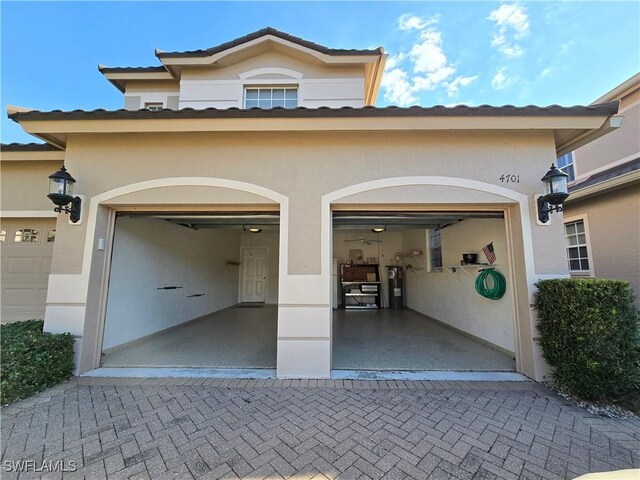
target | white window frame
x=432, y=267
x=579, y=273
x=154, y=106
x=573, y=164
x=270, y=86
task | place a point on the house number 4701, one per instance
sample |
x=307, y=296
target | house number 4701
x=509, y=178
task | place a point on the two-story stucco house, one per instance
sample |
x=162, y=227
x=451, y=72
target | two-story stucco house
x=243, y=209
x=602, y=214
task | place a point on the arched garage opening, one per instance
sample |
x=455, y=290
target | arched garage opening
x=191, y=277
x=442, y=323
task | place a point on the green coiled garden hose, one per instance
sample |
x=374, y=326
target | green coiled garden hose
x=498, y=288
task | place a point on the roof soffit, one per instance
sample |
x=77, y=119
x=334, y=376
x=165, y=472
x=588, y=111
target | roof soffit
x=570, y=125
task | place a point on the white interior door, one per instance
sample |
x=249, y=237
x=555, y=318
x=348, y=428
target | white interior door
x=254, y=274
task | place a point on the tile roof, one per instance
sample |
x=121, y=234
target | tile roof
x=104, y=69
x=28, y=147
x=611, y=173
x=261, y=33
x=605, y=109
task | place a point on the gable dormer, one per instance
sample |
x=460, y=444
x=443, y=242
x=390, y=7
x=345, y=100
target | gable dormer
x=264, y=69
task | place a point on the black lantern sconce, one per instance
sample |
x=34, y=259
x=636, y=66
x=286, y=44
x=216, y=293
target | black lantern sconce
x=61, y=194
x=556, y=193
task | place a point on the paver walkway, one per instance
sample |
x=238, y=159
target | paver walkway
x=218, y=429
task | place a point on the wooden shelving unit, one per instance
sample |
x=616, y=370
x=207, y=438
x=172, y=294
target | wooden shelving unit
x=361, y=286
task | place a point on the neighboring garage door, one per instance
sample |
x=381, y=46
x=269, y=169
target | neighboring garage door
x=26, y=249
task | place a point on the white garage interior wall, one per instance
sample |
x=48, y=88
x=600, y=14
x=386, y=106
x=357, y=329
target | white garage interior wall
x=450, y=297
x=150, y=253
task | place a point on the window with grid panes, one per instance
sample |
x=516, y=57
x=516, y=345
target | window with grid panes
x=435, y=249
x=565, y=163
x=577, y=254
x=26, y=235
x=271, y=97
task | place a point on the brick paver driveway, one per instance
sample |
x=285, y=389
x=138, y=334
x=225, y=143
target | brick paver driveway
x=188, y=428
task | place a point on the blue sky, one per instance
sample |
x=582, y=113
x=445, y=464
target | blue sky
x=447, y=53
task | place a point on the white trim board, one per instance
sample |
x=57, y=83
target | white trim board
x=428, y=375
x=122, y=372
x=28, y=214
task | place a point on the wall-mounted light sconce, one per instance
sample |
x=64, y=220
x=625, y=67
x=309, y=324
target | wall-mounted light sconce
x=378, y=229
x=251, y=229
x=61, y=194
x=556, y=193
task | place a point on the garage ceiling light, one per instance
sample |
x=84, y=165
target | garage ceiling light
x=61, y=194
x=378, y=229
x=252, y=229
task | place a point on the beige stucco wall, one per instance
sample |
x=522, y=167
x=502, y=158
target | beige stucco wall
x=304, y=167
x=25, y=185
x=318, y=85
x=619, y=145
x=138, y=93
x=292, y=164
x=613, y=228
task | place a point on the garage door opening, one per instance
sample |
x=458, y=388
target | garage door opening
x=193, y=290
x=404, y=293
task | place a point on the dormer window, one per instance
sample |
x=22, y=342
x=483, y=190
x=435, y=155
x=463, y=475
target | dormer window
x=153, y=106
x=270, y=97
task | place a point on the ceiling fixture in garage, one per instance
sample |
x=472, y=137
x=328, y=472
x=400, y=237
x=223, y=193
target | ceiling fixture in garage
x=556, y=193
x=61, y=194
x=251, y=229
x=378, y=229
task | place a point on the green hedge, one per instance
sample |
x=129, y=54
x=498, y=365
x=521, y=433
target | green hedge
x=31, y=361
x=590, y=336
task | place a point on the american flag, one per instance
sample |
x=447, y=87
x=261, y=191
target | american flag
x=489, y=253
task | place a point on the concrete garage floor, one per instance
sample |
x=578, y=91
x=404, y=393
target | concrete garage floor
x=362, y=340
x=403, y=340
x=233, y=338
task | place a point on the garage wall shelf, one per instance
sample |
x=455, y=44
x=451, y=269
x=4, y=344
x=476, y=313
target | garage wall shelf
x=464, y=268
x=416, y=258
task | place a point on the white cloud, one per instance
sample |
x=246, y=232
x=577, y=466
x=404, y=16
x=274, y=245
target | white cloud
x=512, y=17
x=413, y=22
x=500, y=80
x=394, y=60
x=428, y=56
x=426, y=64
x=397, y=89
x=567, y=47
x=512, y=24
x=546, y=72
x=455, y=84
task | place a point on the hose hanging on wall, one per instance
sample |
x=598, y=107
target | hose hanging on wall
x=498, y=288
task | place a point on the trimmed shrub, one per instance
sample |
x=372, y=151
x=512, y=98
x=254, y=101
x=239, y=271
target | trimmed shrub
x=590, y=336
x=31, y=360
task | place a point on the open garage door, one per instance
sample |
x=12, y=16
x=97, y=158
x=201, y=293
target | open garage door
x=193, y=290
x=405, y=293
